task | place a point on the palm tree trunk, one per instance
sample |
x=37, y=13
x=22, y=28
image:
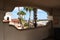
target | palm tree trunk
x=29, y=16
x=35, y=17
x=29, y=19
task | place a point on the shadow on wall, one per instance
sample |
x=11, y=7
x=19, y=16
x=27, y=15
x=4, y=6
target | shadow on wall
x=12, y=33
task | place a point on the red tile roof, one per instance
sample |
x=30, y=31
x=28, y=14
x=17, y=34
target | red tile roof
x=15, y=20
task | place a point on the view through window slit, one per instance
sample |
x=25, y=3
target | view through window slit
x=26, y=17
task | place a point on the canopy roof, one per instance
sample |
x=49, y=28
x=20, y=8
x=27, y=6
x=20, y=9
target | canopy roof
x=8, y=5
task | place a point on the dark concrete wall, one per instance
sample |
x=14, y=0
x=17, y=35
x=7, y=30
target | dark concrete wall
x=13, y=34
x=1, y=31
x=1, y=27
x=56, y=15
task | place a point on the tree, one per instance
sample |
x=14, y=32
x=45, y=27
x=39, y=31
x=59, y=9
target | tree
x=21, y=15
x=35, y=17
x=29, y=9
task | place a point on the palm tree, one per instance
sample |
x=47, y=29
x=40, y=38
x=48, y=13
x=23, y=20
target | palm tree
x=35, y=17
x=28, y=9
x=21, y=15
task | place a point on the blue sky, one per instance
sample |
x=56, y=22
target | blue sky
x=40, y=14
